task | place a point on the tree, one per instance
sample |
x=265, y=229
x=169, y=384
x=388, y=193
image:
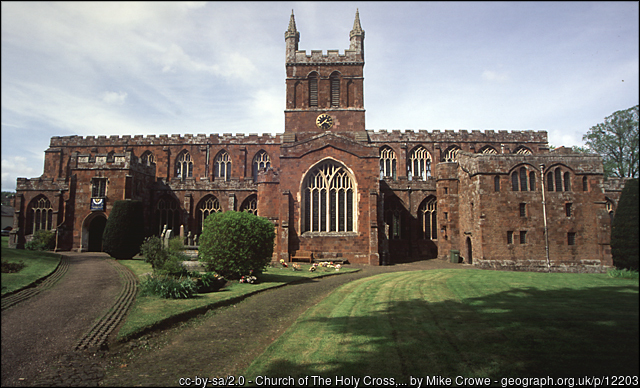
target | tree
x=236, y=244
x=624, y=230
x=124, y=231
x=616, y=140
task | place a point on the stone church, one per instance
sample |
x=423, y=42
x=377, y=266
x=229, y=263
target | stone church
x=334, y=188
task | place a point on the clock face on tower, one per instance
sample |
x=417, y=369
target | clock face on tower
x=324, y=121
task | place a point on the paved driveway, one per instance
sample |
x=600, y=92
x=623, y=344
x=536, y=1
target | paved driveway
x=41, y=329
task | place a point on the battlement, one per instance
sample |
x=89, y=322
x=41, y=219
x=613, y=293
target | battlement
x=460, y=136
x=332, y=56
x=149, y=140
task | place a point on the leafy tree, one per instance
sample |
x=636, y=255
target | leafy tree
x=624, y=231
x=124, y=231
x=7, y=198
x=616, y=140
x=236, y=244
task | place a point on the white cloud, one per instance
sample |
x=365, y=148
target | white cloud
x=114, y=98
x=12, y=167
x=490, y=75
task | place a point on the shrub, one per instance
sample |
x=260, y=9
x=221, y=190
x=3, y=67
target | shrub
x=9, y=267
x=622, y=273
x=234, y=244
x=164, y=261
x=624, y=229
x=123, y=233
x=209, y=282
x=43, y=240
x=168, y=287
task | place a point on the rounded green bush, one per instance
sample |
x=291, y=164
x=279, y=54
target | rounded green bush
x=124, y=231
x=234, y=244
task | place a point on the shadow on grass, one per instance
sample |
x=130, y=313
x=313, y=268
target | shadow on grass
x=518, y=333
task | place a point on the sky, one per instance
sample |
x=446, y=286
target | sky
x=100, y=68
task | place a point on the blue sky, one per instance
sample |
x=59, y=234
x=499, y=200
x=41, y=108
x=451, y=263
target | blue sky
x=103, y=68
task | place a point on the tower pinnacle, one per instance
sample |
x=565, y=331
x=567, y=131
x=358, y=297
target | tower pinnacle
x=357, y=36
x=291, y=37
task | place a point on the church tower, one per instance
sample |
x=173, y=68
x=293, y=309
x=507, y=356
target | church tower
x=325, y=92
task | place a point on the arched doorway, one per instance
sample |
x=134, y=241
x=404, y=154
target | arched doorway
x=469, y=251
x=96, y=228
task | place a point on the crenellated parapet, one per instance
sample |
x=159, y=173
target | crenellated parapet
x=460, y=136
x=332, y=56
x=162, y=140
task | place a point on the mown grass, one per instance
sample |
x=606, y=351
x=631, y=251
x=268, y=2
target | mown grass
x=38, y=265
x=463, y=323
x=151, y=311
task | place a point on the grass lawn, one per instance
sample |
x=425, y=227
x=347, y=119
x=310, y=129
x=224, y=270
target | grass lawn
x=463, y=323
x=38, y=265
x=150, y=311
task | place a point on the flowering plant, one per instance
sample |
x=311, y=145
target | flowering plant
x=248, y=279
x=296, y=267
x=283, y=263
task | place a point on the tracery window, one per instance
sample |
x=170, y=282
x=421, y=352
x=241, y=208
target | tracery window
x=168, y=214
x=250, y=205
x=393, y=217
x=206, y=207
x=147, y=158
x=328, y=199
x=388, y=162
x=260, y=162
x=42, y=214
x=522, y=150
x=222, y=166
x=488, y=150
x=419, y=164
x=451, y=155
x=313, y=90
x=335, y=90
x=184, y=165
x=428, y=217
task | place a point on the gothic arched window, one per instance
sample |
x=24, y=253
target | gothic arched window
x=184, y=165
x=522, y=150
x=168, y=214
x=260, y=162
x=419, y=164
x=329, y=203
x=451, y=154
x=250, y=205
x=42, y=214
x=488, y=150
x=222, y=166
x=388, y=162
x=206, y=207
x=428, y=217
x=147, y=158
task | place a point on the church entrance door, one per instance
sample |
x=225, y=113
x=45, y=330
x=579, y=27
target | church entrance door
x=96, y=228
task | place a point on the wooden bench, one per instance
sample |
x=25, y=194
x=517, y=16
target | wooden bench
x=302, y=256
